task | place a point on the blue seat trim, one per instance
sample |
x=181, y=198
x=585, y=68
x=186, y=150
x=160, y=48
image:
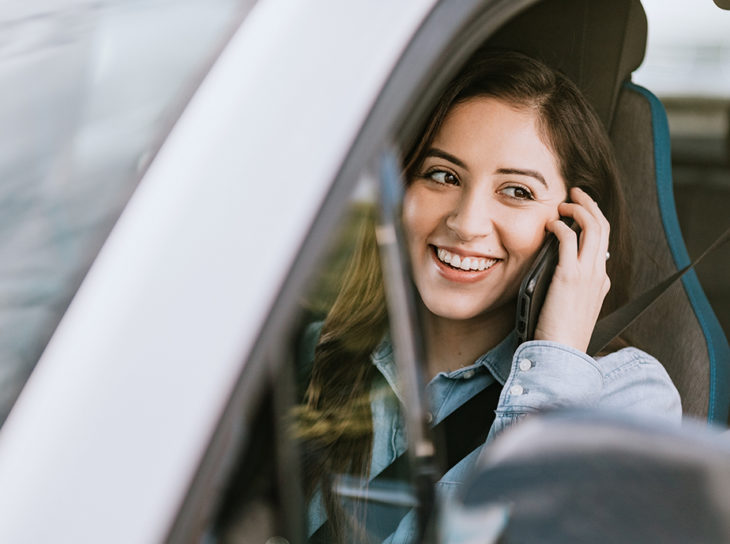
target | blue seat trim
x=717, y=344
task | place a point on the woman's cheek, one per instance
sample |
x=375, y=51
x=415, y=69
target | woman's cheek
x=524, y=238
x=422, y=211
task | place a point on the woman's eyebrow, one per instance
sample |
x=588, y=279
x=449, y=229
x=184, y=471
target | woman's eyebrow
x=435, y=152
x=520, y=172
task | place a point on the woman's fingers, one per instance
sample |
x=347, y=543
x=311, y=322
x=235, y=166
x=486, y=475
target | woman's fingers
x=592, y=238
x=589, y=205
x=595, y=230
x=580, y=282
x=568, y=241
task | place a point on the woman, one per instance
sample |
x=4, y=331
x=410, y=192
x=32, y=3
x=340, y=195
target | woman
x=510, y=149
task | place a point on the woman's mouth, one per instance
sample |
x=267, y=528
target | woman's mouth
x=458, y=262
x=461, y=268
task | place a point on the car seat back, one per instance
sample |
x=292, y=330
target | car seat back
x=680, y=328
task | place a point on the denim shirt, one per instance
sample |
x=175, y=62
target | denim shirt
x=534, y=376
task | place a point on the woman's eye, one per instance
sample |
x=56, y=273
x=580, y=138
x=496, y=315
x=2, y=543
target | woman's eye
x=520, y=193
x=442, y=176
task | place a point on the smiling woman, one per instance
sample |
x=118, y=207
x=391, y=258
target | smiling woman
x=510, y=149
x=475, y=219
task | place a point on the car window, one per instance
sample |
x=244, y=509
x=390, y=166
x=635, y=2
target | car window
x=291, y=483
x=88, y=90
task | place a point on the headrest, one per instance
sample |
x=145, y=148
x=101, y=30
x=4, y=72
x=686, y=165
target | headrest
x=595, y=43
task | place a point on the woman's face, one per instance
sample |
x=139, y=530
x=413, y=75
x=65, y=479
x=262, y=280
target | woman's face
x=476, y=211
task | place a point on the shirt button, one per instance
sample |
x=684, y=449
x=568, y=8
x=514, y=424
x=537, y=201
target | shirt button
x=516, y=390
x=525, y=364
x=468, y=375
x=429, y=417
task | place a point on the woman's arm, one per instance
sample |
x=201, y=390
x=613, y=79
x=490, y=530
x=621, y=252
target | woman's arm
x=546, y=375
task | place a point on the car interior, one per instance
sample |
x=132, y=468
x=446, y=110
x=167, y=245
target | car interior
x=598, y=45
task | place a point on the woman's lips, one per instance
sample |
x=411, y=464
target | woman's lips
x=462, y=269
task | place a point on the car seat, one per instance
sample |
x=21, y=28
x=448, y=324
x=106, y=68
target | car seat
x=598, y=45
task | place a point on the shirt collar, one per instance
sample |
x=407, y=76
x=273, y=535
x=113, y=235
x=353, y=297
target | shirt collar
x=382, y=358
x=497, y=360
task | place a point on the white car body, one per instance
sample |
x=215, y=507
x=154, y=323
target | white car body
x=108, y=432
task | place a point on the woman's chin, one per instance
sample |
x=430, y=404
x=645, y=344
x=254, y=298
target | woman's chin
x=454, y=312
x=465, y=309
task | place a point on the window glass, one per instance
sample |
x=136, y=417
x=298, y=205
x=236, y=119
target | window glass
x=342, y=425
x=87, y=92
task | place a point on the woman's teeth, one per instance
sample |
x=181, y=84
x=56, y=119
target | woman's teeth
x=464, y=263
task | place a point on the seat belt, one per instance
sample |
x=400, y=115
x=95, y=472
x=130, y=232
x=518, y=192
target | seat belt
x=617, y=321
x=464, y=430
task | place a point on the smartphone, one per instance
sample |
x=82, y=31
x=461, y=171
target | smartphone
x=535, y=285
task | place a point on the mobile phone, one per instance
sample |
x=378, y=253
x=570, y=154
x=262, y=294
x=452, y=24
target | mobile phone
x=535, y=285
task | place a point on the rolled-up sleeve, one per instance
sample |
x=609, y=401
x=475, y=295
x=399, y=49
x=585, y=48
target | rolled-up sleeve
x=635, y=381
x=546, y=375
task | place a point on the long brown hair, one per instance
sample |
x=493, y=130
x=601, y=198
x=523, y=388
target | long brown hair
x=335, y=423
x=336, y=420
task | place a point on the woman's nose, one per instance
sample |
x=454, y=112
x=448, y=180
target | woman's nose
x=471, y=218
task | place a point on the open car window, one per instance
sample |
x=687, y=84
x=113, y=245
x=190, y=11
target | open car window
x=88, y=91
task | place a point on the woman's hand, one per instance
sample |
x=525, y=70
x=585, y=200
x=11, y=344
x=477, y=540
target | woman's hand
x=580, y=282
